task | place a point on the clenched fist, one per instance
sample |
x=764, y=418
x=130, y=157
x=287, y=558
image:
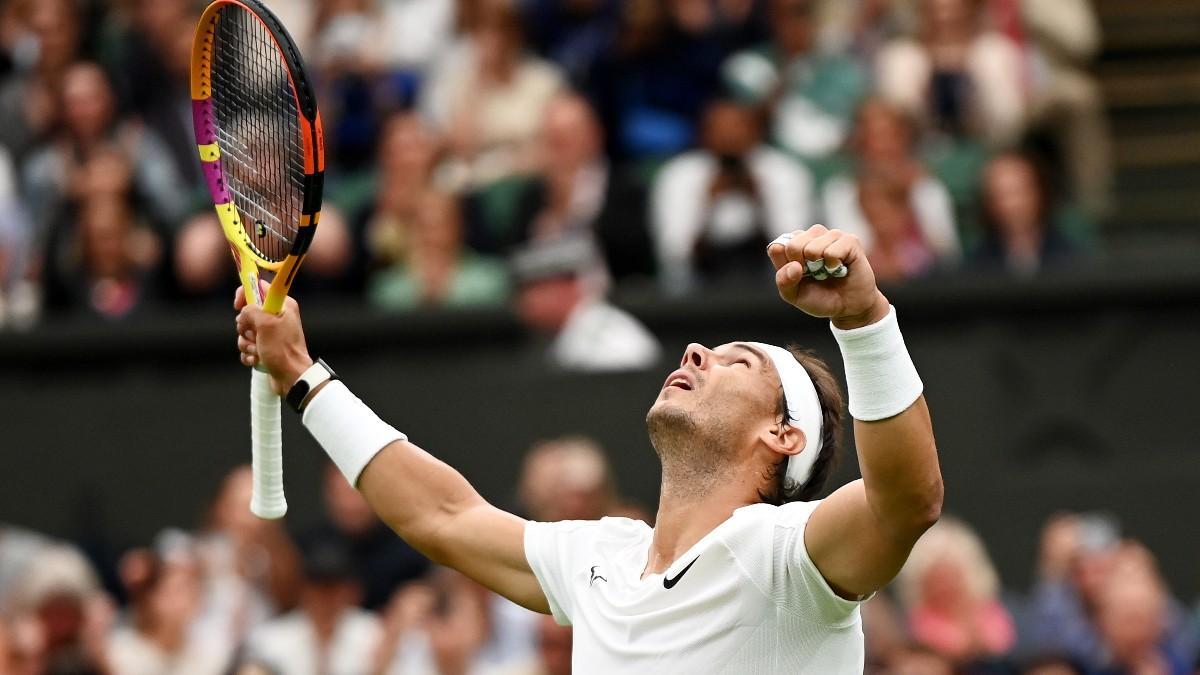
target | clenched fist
x=825, y=273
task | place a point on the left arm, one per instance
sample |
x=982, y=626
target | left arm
x=900, y=494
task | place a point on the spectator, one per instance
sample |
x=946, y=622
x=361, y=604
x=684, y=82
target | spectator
x=957, y=76
x=560, y=294
x=327, y=634
x=160, y=637
x=107, y=260
x=18, y=547
x=650, y=88
x=581, y=193
x=438, y=271
x=43, y=40
x=1020, y=234
x=885, y=165
x=713, y=210
x=859, y=28
x=59, y=172
x=567, y=479
x=437, y=626
x=152, y=59
x=251, y=565
x=810, y=95
x=407, y=156
x=1133, y=618
x=488, y=98
x=61, y=613
x=20, y=263
x=950, y=593
x=381, y=560
x=1062, y=39
x=1082, y=558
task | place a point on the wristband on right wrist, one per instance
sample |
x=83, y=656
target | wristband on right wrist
x=881, y=380
x=349, y=431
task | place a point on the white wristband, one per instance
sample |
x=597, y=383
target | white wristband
x=880, y=376
x=350, y=432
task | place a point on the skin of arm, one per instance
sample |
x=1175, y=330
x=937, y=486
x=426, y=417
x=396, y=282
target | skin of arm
x=424, y=500
x=900, y=493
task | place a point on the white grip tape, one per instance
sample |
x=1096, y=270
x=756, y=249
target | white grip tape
x=349, y=431
x=881, y=380
x=266, y=449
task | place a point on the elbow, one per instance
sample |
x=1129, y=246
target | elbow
x=928, y=509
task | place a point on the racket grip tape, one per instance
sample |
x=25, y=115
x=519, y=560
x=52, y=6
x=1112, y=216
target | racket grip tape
x=266, y=448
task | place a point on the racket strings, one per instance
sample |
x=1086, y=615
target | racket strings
x=258, y=131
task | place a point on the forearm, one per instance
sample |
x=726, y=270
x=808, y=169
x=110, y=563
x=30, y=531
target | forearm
x=892, y=429
x=901, y=475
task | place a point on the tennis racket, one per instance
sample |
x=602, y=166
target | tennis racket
x=263, y=156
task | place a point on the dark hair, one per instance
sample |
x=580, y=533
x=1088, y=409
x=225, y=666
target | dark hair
x=829, y=395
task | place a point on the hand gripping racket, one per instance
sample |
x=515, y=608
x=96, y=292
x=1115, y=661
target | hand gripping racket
x=263, y=156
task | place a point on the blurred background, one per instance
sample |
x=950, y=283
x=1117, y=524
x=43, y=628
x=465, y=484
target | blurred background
x=532, y=206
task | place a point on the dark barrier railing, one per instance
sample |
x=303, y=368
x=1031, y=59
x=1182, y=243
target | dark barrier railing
x=1074, y=391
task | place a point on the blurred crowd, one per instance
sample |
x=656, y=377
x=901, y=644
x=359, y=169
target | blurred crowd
x=543, y=154
x=345, y=596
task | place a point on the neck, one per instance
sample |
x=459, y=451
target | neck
x=689, y=508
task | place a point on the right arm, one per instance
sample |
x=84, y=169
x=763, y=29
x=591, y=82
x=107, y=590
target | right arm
x=426, y=502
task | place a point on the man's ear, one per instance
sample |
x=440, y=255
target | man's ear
x=784, y=439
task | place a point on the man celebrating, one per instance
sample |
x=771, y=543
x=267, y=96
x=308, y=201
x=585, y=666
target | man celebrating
x=739, y=574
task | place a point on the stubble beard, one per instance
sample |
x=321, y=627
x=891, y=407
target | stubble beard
x=695, y=454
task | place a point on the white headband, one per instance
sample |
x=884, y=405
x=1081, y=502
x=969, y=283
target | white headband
x=804, y=409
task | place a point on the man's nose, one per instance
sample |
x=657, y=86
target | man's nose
x=696, y=355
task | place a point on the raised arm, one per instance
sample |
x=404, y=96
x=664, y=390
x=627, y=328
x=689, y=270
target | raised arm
x=860, y=536
x=423, y=499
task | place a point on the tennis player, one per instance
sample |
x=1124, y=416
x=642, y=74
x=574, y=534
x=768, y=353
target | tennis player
x=743, y=572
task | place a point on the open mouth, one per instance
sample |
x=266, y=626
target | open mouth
x=679, y=380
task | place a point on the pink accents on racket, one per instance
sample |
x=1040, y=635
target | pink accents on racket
x=216, y=184
x=204, y=121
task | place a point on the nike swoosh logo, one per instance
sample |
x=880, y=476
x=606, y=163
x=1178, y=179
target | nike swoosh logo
x=670, y=583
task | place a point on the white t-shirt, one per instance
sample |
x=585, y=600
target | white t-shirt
x=745, y=599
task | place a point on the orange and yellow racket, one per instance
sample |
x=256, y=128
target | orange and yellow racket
x=261, y=148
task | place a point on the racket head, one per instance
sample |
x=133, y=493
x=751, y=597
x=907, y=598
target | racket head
x=258, y=131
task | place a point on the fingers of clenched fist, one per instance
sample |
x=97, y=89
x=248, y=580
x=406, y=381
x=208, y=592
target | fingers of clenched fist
x=818, y=252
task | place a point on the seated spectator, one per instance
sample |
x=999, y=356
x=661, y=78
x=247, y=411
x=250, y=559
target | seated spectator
x=810, y=95
x=61, y=615
x=438, y=625
x=107, y=260
x=43, y=40
x=950, y=593
x=438, y=271
x=957, y=76
x=151, y=60
x=406, y=160
x=1018, y=216
x=56, y=173
x=1133, y=618
x=251, y=564
x=1081, y=560
x=651, y=86
x=381, y=560
x=20, y=262
x=580, y=193
x=859, y=28
x=488, y=98
x=327, y=634
x=561, y=294
x=885, y=166
x=1061, y=40
x=713, y=210
x=160, y=638
x=567, y=479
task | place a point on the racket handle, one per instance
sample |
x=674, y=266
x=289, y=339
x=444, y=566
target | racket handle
x=266, y=449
